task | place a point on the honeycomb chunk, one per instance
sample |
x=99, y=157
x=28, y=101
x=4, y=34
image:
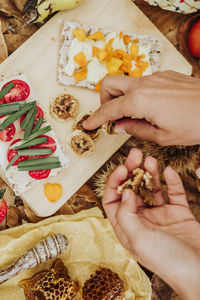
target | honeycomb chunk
x=50, y=285
x=103, y=285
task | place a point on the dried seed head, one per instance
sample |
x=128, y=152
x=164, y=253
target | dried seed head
x=79, y=125
x=64, y=107
x=81, y=143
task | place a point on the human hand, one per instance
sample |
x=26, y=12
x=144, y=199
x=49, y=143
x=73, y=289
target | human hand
x=165, y=238
x=165, y=107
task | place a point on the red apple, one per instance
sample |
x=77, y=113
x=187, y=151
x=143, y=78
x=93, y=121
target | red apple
x=194, y=39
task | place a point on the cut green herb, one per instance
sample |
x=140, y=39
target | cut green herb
x=6, y=89
x=30, y=124
x=13, y=117
x=33, y=142
x=25, y=122
x=40, y=167
x=15, y=158
x=37, y=161
x=8, y=108
x=37, y=125
x=41, y=131
x=31, y=152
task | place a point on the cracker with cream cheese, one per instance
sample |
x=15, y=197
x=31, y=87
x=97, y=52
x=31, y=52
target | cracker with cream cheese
x=20, y=182
x=89, y=53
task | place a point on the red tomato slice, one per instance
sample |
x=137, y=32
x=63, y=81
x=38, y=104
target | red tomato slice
x=19, y=92
x=1, y=102
x=7, y=134
x=3, y=210
x=40, y=114
x=50, y=144
x=40, y=174
x=11, y=153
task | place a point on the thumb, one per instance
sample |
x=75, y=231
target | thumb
x=175, y=189
x=137, y=128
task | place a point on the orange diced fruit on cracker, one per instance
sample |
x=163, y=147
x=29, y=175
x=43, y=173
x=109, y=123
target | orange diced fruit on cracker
x=97, y=36
x=120, y=35
x=135, y=73
x=109, y=44
x=81, y=74
x=126, y=39
x=102, y=55
x=134, y=50
x=113, y=64
x=79, y=33
x=95, y=51
x=80, y=59
x=142, y=65
x=126, y=66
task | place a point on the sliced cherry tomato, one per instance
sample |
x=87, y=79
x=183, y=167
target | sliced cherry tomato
x=8, y=134
x=11, y=153
x=50, y=144
x=19, y=92
x=40, y=174
x=40, y=114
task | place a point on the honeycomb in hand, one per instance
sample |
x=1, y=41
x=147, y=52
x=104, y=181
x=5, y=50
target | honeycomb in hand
x=50, y=285
x=103, y=285
x=141, y=183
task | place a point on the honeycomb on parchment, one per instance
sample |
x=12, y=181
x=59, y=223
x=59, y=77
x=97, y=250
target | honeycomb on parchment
x=103, y=285
x=50, y=285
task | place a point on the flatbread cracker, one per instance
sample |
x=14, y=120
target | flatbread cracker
x=152, y=45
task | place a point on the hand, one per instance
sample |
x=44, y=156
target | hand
x=165, y=107
x=165, y=238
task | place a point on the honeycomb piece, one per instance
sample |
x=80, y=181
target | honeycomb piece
x=141, y=183
x=92, y=133
x=50, y=285
x=103, y=285
x=82, y=144
x=65, y=106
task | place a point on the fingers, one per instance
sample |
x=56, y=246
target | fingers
x=112, y=110
x=111, y=199
x=137, y=128
x=134, y=159
x=114, y=86
x=150, y=165
x=175, y=189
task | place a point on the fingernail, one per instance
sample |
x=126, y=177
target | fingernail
x=84, y=124
x=125, y=195
x=119, y=130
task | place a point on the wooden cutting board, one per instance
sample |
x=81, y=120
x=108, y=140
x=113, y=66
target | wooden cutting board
x=38, y=59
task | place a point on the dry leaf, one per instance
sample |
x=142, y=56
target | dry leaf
x=8, y=9
x=17, y=35
x=3, y=46
x=13, y=217
x=160, y=290
x=19, y=4
x=4, y=24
